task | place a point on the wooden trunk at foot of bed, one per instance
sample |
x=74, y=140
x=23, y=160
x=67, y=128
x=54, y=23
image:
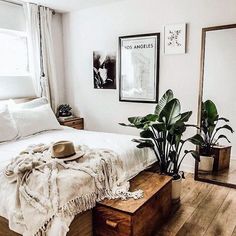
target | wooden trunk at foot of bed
x=80, y=226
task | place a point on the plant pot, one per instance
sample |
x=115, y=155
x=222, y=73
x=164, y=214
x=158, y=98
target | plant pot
x=176, y=189
x=206, y=164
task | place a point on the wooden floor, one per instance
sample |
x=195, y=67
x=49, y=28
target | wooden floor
x=205, y=209
x=225, y=176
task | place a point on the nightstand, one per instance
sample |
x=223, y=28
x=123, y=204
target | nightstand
x=76, y=123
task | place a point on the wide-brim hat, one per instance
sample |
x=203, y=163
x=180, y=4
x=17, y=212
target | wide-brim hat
x=65, y=151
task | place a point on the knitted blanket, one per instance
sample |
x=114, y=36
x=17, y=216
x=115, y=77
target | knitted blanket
x=47, y=188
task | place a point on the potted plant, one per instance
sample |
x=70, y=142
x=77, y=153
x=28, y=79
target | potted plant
x=163, y=132
x=210, y=132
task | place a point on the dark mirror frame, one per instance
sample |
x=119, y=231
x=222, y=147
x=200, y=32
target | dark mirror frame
x=203, y=44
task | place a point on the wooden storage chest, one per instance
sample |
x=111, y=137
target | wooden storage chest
x=135, y=217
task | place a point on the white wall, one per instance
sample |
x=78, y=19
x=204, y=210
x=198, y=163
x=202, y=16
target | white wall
x=98, y=28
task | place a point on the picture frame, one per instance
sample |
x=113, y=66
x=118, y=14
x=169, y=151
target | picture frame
x=139, y=68
x=175, y=38
x=104, y=69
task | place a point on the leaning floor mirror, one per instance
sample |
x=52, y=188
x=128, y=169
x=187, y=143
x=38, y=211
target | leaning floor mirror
x=217, y=107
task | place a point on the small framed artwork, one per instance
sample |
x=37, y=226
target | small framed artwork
x=104, y=70
x=175, y=39
x=139, y=68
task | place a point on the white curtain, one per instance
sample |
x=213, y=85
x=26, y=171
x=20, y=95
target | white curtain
x=39, y=20
x=32, y=23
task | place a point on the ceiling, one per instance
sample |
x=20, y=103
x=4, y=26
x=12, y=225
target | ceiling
x=71, y=5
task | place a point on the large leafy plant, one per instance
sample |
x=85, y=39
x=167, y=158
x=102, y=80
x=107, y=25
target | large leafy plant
x=210, y=128
x=163, y=132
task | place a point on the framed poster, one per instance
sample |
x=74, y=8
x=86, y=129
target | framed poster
x=104, y=70
x=139, y=68
x=175, y=39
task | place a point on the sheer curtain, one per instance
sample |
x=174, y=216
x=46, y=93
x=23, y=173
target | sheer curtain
x=32, y=23
x=39, y=20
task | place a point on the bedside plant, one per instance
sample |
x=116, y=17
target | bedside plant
x=163, y=132
x=64, y=110
x=210, y=132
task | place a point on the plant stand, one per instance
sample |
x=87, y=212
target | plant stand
x=221, y=157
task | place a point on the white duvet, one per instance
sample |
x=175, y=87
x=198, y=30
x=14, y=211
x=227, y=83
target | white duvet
x=134, y=160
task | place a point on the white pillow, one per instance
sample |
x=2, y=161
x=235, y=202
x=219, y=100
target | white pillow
x=35, y=120
x=8, y=130
x=28, y=105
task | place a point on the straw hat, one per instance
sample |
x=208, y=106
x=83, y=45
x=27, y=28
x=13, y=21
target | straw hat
x=65, y=150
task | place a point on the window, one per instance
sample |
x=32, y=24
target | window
x=14, y=60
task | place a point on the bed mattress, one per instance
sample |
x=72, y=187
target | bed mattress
x=135, y=160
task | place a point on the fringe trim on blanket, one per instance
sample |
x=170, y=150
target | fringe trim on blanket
x=86, y=202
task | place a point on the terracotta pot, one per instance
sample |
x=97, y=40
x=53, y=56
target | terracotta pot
x=176, y=189
x=206, y=164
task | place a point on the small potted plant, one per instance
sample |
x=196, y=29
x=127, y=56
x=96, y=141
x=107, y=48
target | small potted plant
x=210, y=132
x=64, y=110
x=163, y=132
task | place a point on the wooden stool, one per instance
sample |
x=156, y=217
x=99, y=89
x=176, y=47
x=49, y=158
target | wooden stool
x=135, y=217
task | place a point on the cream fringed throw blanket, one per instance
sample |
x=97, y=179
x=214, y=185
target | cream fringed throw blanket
x=47, y=188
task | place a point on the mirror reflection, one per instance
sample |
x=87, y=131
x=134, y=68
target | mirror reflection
x=218, y=109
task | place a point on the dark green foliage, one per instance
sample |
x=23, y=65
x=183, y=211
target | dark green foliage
x=163, y=131
x=210, y=127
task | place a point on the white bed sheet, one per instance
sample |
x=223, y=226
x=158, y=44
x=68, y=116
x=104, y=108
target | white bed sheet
x=135, y=160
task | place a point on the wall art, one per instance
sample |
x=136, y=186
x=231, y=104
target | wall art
x=139, y=68
x=104, y=70
x=175, y=39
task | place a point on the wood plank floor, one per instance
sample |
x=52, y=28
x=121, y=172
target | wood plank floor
x=225, y=176
x=205, y=209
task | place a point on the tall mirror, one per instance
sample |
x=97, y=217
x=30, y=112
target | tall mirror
x=217, y=106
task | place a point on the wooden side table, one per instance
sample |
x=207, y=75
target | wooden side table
x=75, y=122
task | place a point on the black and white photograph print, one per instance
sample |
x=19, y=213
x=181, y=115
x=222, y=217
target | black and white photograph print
x=139, y=68
x=104, y=70
x=175, y=39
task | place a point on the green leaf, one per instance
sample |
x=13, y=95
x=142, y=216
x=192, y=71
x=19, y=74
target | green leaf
x=143, y=143
x=185, y=116
x=224, y=119
x=146, y=134
x=129, y=125
x=195, y=155
x=168, y=96
x=178, y=128
x=225, y=127
x=159, y=127
x=222, y=137
x=171, y=112
x=135, y=119
x=196, y=140
x=151, y=117
x=211, y=110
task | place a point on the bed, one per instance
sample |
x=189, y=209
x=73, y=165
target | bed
x=134, y=159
